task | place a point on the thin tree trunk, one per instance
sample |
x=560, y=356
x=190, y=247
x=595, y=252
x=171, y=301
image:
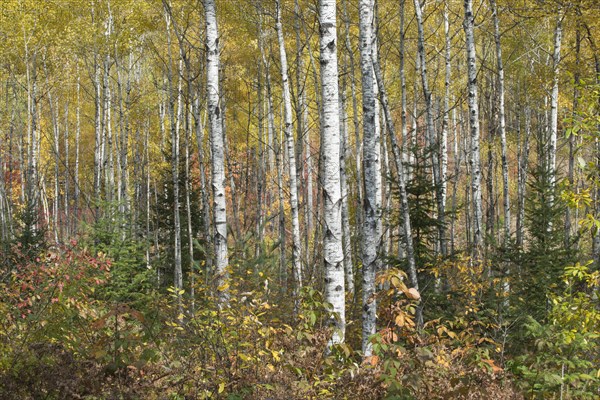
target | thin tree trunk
x=554, y=100
x=276, y=146
x=596, y=55
x=261, y=173
x=291, y=149
x=174, y=125
x=572, y=144
x=98, y=130
x=218, y=170
x=522, y=184
x=261, y=46
x=404, y=208
x=455, y=179
x=355, y=121
x=432, y=142
x=405, y=147
x=76, y=194
x=147, y=168
x=199, y=127
x=371, y=237
x=303, y=133
x=445, y=124
x=502, y=124
x=124, y=144
x=56, y=150
x=66, y=196
x=107, y=153
x=188, y=195
x=472, y=98
x=344, y=153
x=32, y=190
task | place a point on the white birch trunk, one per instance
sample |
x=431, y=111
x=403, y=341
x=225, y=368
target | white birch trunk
x=457, y=163
x=502, y=122
x=371, y=233
x=77, y=142
x=522, y=179
x=66, y=196
x=554, y=99
x=291, y=150
x=355, y=121
x=446, y=117
x=216, y=135
x=270, y=146
x=332, y=196
x=406, y=227
x=430, y=137
x=403, y=119
x=472, y=99
x=174, y=125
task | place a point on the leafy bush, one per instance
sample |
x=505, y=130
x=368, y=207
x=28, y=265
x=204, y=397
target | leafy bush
x=562, y=356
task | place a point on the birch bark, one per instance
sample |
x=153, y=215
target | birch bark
x=332, y=196
x=502, y=123
x=430, y=137
x=216, y=135
x=472, y=99
x=291, y=150
x=554, y=99
x=174, y=125
x=407, y=229
x=371, y=232
x=355, y=121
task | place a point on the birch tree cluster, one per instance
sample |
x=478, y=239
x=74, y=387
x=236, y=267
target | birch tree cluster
x=387, y=179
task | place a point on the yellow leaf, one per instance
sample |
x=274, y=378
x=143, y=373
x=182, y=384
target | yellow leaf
x=400, y=320
x=223, y=287
x=221, y=387
x=396, y=282
x=275, y=355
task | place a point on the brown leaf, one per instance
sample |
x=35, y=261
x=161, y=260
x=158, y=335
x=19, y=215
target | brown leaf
x=413, y=294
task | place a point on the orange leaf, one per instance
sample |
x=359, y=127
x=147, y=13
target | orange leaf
x=495, y=369
x=371, y=360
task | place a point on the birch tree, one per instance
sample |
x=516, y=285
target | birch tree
x=445, y=119
x=430, y=136
x=473, y=102
x=404, y=209
x=355, y=121
x=332, y=196
x=291, y=149
x=553, y=128
x=218, y=163
x=371, y=230
x=174, y=125
x=502, y=122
